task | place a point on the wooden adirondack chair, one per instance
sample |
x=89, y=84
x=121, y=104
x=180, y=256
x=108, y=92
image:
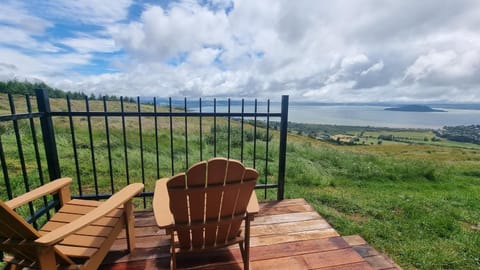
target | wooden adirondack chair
x=78, y=236
x=206, y=205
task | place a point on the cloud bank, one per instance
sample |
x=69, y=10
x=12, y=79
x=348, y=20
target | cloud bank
x=345, y=51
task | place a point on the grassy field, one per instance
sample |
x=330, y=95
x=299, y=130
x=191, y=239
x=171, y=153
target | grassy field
x=377, y=135
x=419, y=203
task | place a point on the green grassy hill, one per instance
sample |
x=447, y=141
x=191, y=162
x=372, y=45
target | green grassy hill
x=418, y=203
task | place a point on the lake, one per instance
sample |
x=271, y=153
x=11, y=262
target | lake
x=368, y=115
x=376, y=116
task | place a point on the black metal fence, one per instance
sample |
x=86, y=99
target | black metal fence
x=105, y=145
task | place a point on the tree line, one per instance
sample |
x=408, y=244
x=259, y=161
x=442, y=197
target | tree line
x=28, y=88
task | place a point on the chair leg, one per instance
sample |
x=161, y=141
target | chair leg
x=242, y=249
x=246, y=259
x=173, y=259
x=47, y=258
x=129, y=225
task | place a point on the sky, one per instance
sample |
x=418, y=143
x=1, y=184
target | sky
x=313, y=50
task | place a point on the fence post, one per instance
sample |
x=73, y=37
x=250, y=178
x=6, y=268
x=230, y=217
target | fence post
x=283, y=148
x=48, y=133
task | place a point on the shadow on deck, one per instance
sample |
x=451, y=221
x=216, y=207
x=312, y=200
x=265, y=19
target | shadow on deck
x=286, y=234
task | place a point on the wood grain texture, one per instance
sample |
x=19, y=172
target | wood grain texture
x=202, y=199
x=287, y=234
x=49, y=188
x=78, y=236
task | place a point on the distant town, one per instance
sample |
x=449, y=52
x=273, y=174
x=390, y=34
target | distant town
x=376, y=135
x=470, y=134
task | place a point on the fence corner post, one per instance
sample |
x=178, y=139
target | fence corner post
x=283, y=148
x=48, y=133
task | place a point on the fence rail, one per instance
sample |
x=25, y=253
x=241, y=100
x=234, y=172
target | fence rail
x=105, y=145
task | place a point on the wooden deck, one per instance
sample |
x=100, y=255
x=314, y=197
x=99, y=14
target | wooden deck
x=287, y=234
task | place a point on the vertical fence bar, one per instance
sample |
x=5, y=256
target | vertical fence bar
x=282, y=155
x=74, y=144
x=228, y=130
x=266, y=148
x=20, y=155
x=241, y=128
x=36, y=150
x=214, y=127
x=125, y=147
x=186, y=133
x=5, y=177
x=92, y=148
x=255, y=135
x=201, y=131
x=107, y=131
x=171, y=134
x=140, y=133
x=8, y=187
x=48, y=134
x=156, y=137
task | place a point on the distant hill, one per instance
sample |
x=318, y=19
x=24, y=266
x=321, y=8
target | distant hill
x=413, y=108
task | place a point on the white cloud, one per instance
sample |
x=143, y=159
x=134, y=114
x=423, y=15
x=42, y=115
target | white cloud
x=87, y=11
x=203, y=57
x=359, y=59
x=330, y=92
x=87, y=44
x=14, y=13
x=374, y=68
x=431, y=62
x=162, y=34
x=445, y=67
x=43, y=66
x=19, y=38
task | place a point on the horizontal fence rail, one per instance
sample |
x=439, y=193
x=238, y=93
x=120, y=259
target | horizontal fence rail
x=105, y=145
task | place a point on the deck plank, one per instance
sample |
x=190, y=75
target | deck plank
x=286, y=234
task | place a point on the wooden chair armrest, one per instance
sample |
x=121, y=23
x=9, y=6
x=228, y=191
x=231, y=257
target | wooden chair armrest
x=253, y=207
x=47, y=189
x=115, y=201
x=161, y=204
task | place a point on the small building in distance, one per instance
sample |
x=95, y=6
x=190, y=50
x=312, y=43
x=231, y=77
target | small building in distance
x=344, y=139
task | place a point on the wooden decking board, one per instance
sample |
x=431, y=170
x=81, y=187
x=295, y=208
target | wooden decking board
x=287, y=209
x=332, y=258
x=288, y=227
x=310, y=260
x=287, y=234
x=350, y=266
x=377, y=260
x=282, y=218
x=291, y=237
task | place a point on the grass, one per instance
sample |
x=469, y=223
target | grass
x=419, y=203
x=420, y=208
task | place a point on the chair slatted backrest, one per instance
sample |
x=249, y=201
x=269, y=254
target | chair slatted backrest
x=209, y=201
x=17, y=238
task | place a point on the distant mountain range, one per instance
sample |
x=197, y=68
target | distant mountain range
x=413, y=108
